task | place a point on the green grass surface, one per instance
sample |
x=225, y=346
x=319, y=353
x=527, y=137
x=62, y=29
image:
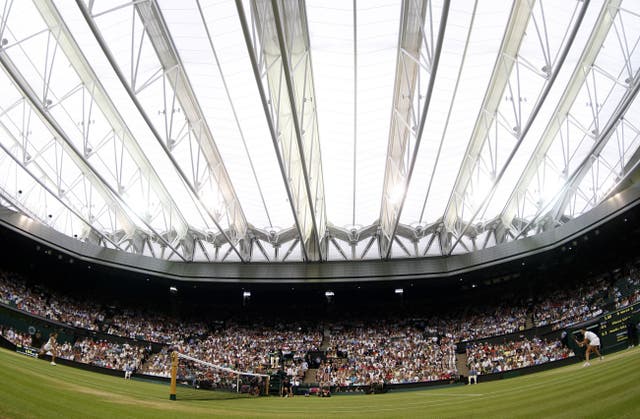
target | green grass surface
x=607, y=389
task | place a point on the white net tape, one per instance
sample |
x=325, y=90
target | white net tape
x=218, y=367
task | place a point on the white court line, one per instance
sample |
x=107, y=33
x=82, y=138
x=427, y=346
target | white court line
x=455, y=395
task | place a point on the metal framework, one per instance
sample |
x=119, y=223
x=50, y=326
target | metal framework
x=615, y=130
x=629, y=174
x=171, y=84
x=418, y=56
x=42, y=179
x=195, y=126
x=616, y=125
x=73, y=157
x=502, y=121
x=56, y=175
x=561, y=122
x=278, y=42
x=455, y=211
x=70, y=152
x=170, y=225
x=61, y=138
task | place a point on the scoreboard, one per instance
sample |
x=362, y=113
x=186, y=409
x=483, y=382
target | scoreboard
x=613, y=326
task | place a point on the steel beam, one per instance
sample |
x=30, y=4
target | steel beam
x=61, y=137
x=278, y=44
x=409, y=112
x=605, y=135
x=520, y=14
x=594, y=44
x=172, y=65
x=486, y=124
x=92, y=87
x=630, y=173
x=132, y=90
x=570, y=188
x=41, y=182
x=100, y=97
x=257, y=65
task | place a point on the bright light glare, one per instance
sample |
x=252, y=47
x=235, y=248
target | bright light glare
x=396, y=194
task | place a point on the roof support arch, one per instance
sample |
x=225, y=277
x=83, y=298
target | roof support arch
x=522, y=193
x=175, y=77
x=416, y=51
x=278, y=42
x=474, y=187
x=110, y=195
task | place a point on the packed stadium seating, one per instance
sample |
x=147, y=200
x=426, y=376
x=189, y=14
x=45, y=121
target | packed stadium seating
x=489, y=358
x=358, y=352
x=392, y=353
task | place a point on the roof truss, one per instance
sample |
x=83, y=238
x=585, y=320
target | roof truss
x=418, y=57
x=278, y=42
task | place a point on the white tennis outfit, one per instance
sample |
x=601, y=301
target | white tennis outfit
x=592, y=338
x=50, y=344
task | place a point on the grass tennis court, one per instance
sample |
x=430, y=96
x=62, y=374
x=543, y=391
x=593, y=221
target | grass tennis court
x=607, y=389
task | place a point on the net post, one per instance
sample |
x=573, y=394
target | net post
x=174, y=373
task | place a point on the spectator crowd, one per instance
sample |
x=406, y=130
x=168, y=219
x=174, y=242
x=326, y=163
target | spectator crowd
x=488, y=358
x=247, y=349
x=102, y=353
x=392, y=353
x=358, y=353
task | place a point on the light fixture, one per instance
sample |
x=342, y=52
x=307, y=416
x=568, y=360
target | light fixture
x=246, y=294
x=329, y=294
x=173, y=290
x=399, y=291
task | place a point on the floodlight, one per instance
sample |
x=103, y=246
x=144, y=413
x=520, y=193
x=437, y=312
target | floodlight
x=173, y=290
x=246, y=294
x=399, y=291
x=329, y=294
